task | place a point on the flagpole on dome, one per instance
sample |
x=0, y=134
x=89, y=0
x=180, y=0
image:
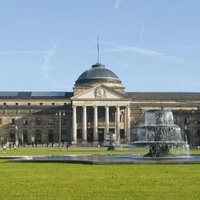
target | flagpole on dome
x=98, y=49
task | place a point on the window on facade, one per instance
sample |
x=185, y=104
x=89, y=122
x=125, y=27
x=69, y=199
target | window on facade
x=63, y=135
x=41, y=104
x=38, y=138
x=12, y=136
x=50, y=135
x=64, y=120
x=122, y=134
x=0, y=121
x=101, y=114
x=53, y=104
x=24, y=121
x=186, y=121
x=25, y=136
x=38, y=121
x=12, y=121
x=79, y=134
x=79, y=118
x=50, y=121
x=198, y=133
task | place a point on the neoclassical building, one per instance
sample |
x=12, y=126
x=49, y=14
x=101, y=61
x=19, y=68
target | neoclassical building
x=98, y=105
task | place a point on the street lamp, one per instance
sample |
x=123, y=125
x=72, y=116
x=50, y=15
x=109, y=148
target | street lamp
x=16, y=136
x=60, y=114
x=16, y=140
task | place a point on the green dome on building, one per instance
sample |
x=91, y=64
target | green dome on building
x=98, y=74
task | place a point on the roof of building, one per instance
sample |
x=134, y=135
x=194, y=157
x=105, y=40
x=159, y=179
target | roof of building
x=35, y=95
x=98, y=73
x=164, y=95
x=132, y=95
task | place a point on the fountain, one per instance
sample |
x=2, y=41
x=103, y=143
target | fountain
x=160, y=134
x=111, y=141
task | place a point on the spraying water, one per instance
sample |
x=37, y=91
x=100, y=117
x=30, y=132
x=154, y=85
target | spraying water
x=160, y=134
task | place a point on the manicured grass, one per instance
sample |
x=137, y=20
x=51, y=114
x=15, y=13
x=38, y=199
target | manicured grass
x=63, y=151
x=67, y=181
x=60, y=181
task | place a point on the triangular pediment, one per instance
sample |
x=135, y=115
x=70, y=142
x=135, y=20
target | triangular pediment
x=100, y=92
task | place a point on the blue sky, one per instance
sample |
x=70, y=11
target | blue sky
x=151, y=45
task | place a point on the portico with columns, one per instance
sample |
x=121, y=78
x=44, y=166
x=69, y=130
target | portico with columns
x=99, y=111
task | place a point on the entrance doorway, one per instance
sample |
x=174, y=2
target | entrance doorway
x=38, y=138
x=100, y=135
x=50, y=137
x=90, y=135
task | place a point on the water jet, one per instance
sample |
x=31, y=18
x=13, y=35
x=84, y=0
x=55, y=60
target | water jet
x=160, y=135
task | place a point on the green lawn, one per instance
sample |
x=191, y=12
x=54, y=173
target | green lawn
x=63, y=151
x=75, y=181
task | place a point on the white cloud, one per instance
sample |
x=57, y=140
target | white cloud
x=48, y=57
x=123, y=65
x=46, y=67
x=185, y=46
x=21, y=52
x=117, y=3
x=136, y=49
x=144, y=51
x=41, y=52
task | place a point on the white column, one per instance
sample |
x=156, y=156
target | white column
x=128, y=123
x=106, y=121
x=95, y=125
x=118, y=122
x=74, y=126
x=84, y=123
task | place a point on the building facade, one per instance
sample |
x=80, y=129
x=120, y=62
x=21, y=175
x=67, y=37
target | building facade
x=98, y=105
